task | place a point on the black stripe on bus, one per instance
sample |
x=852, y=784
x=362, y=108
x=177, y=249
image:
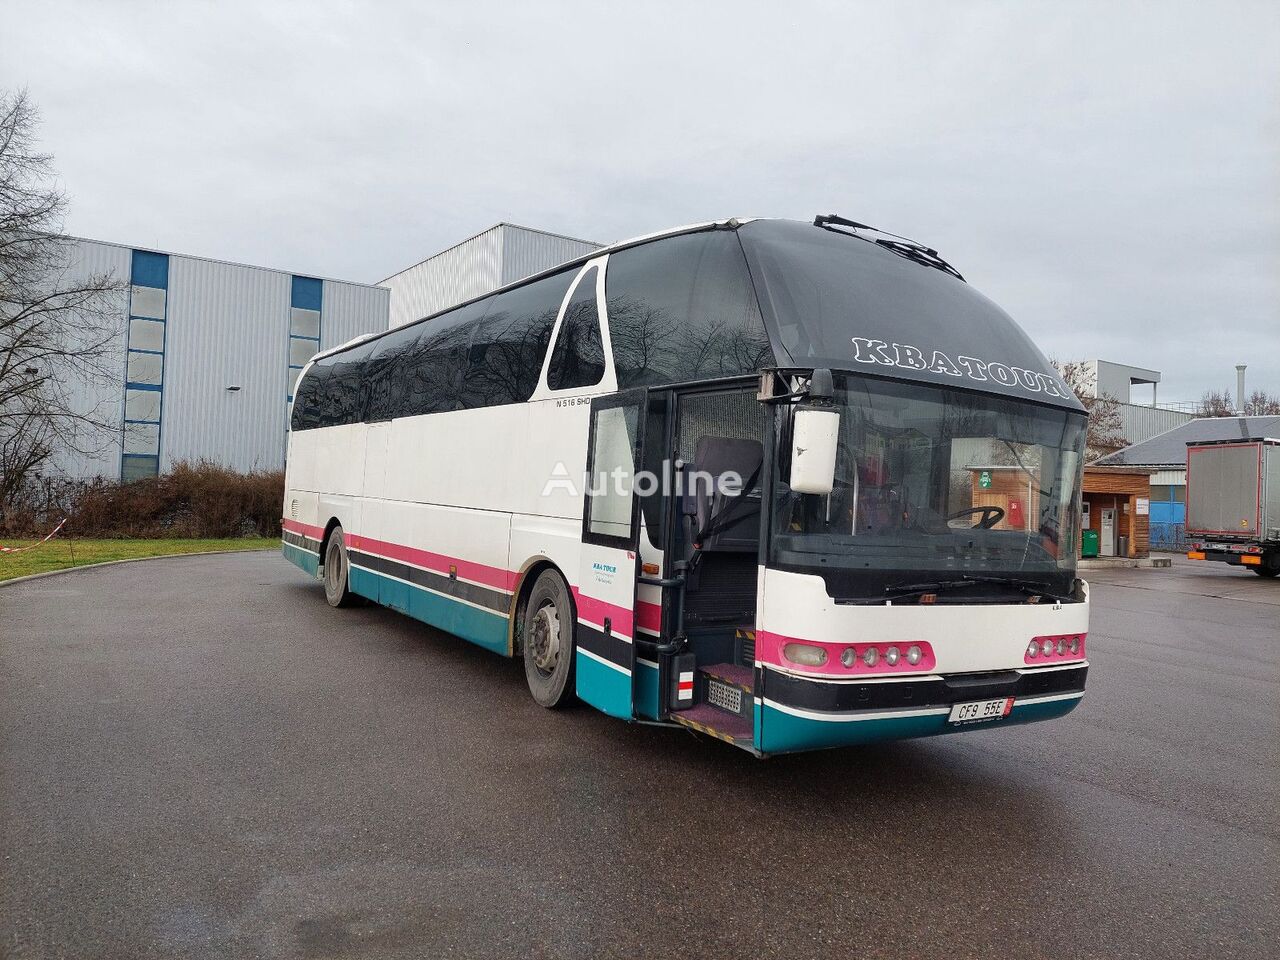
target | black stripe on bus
x=494, y=600
x=606, y=646
x=304, y=543
x=936, y=692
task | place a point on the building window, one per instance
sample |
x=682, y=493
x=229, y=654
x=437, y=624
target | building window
x=144, y=365
x=306, y=299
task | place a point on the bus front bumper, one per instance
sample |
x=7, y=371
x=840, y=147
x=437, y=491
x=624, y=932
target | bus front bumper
x=795, y=713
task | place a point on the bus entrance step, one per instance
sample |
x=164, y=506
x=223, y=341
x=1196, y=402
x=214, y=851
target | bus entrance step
x=731, y=673
x=716, y=723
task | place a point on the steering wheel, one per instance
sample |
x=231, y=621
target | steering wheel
x=990, y=516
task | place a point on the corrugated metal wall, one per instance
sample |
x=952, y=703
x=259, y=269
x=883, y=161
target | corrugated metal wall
x=226, y=325
x=103, y=400
x=350, y=310
x=498, y=256
x=470, y=269
x=526, y=252
x=1139, y=423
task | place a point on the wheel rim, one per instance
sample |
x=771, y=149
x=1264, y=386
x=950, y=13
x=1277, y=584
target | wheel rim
x=544, y=638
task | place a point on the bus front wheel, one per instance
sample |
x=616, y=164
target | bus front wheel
x=547, y=637
x=336, y=568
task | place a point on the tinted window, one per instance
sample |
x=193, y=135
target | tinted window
x=578, y=358
x=508, y=346
x=333, y=391
x=422, y=368
x=485, y=353
x=683, y=308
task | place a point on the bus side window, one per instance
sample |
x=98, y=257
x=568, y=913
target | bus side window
x=578, y=357
x=508, y=346
x=683, y=308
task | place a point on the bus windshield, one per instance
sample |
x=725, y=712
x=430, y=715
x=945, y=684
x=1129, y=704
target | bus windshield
x=935, y=484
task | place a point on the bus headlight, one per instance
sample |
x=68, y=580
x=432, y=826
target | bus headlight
x=891, y=656
x=870, y=657
x=1033, y=649
x=849, y=656
x=913, y=654
x=805, y=654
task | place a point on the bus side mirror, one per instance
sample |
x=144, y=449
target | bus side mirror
x=814, y=433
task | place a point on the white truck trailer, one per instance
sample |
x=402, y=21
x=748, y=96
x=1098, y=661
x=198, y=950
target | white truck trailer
x=1233, y=503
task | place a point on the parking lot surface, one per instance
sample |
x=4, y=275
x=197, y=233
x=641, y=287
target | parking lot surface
x=198, y=757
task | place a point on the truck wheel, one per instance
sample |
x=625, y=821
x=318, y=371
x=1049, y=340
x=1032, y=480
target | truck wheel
x=1266, y=571
x=547, y=636
x=335, y=571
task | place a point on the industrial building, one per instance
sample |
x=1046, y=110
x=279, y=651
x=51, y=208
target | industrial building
x=478, y=265
x=1138, y=421
x=209, y=351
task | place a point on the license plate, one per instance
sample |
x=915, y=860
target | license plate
x=978, y=710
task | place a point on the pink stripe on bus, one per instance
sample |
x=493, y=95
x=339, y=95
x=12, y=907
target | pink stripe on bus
x=648, y=616
x=595, y=611
x=303, y=529
x=465, y=569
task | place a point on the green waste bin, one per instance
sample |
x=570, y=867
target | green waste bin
x=1089, y=543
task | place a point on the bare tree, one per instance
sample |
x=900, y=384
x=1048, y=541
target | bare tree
x=1216, y=403
x=1262, y=404
x=1106, y=428
x=57, y=326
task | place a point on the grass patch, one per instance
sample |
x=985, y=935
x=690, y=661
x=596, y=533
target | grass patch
x=61, y=554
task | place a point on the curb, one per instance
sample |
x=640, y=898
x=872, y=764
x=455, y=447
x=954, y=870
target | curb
x=1124, y=563
x=112, y=563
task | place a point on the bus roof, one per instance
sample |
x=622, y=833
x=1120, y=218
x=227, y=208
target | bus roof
x=838, y=294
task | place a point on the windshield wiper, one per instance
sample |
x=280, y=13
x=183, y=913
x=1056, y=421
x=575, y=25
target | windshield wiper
x=919, y=589
x=902, y=246
x=1032, y=588
x=905, y=590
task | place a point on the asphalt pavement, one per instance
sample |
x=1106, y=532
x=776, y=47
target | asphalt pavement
x=199, y=758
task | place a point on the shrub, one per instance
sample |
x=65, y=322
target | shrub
x=194, y=500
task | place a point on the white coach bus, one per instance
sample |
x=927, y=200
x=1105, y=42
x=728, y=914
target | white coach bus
x=888, y=549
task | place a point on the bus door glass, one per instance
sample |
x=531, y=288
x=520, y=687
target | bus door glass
x=606, y=593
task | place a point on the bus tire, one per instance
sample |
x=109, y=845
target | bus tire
x=336, y=570
x=547, y=641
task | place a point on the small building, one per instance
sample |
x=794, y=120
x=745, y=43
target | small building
x=1117, y=504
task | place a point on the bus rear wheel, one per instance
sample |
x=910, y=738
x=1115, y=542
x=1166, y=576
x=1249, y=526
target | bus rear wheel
x=547, y=639
x=336, y=570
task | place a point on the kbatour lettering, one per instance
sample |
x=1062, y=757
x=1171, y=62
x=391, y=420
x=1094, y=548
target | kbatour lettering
x=910, y=357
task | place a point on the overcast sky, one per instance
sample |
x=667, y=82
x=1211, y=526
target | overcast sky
x=1109, y=174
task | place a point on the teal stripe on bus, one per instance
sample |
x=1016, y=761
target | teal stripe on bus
x=485, y=628
x=782, y=732
x=646, y=686
x=606, y=689
x=305, y=559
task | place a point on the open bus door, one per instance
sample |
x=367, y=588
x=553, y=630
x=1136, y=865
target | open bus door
x=606, y=593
